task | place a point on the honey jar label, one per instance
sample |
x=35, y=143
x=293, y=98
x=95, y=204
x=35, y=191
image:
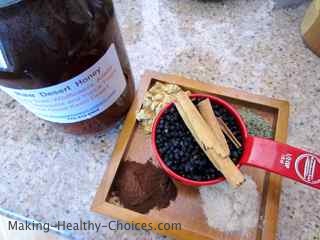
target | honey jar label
x=79, y=98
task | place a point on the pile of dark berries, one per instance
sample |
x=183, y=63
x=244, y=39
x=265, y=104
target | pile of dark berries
x=181, y=152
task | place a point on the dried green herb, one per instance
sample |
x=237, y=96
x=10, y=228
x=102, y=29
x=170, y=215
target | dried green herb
x=256, y=125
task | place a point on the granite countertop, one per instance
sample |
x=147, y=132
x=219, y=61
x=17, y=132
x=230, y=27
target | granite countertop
x=48, y=175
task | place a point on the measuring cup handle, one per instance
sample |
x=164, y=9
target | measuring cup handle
x=284, y=160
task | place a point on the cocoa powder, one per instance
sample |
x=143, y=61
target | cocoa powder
x=142, y=187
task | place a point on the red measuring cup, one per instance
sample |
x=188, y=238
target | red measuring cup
x=272, y=156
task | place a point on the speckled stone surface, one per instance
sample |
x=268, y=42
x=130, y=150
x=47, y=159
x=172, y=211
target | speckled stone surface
x=246, y=44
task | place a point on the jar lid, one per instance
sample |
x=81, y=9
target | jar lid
x=6, y=3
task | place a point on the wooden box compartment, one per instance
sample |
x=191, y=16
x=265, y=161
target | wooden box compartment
x=135, y=145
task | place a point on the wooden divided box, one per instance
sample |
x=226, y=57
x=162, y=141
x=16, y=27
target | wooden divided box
x=133, y=143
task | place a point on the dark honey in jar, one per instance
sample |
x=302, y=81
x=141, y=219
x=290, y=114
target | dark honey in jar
x=65, y=62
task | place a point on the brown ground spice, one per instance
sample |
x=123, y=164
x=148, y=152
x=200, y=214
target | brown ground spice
x=142, y=187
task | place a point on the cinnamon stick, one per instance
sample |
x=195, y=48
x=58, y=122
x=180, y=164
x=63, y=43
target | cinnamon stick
x=229, y=133
x=207, y=113
x=207, y=140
